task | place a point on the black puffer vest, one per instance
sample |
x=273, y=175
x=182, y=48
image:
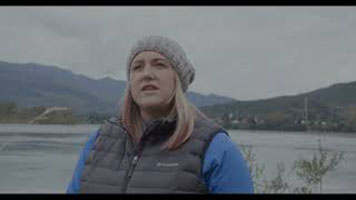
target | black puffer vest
x=116, y=165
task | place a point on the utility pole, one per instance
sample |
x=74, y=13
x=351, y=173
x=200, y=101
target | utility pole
x=306, y=111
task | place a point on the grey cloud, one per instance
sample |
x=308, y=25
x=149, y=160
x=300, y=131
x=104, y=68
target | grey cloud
x=241, y=52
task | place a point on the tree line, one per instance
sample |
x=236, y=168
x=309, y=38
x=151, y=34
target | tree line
x=337, y=120
x=11, y=113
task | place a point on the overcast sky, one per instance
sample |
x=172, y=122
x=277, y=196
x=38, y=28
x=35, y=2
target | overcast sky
x=242, y=52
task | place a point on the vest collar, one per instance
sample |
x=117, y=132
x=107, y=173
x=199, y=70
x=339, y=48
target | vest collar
x=153, y=130
x=158, y=130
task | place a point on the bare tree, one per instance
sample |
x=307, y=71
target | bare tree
x=311, y=171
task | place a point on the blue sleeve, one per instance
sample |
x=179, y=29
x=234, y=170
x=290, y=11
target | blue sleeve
x=225, y=169
x=73, y=186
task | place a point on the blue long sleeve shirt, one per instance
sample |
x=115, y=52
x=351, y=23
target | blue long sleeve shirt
x=224, y=168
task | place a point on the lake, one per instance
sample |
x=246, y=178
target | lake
x=41, y=158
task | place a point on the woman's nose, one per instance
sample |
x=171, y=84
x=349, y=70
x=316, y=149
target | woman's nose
x=148, y=72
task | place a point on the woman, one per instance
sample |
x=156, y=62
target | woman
x=160, y=143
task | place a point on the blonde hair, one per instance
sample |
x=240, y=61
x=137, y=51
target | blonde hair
x=181, y=108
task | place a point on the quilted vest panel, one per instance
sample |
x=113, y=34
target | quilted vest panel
x=109, y=167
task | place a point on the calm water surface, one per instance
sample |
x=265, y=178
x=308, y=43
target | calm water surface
x=41, y=158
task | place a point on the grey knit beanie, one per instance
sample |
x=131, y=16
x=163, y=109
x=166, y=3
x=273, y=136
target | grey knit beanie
x=171, y=50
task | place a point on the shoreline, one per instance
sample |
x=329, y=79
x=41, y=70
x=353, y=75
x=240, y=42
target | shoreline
x=286, y=132
x=247, y=130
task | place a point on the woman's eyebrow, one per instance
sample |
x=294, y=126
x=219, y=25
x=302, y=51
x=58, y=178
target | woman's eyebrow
x=159, y=59
x=138, y=61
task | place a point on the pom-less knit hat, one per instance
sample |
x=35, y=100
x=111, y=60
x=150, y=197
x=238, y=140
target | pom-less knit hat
x=171, y=50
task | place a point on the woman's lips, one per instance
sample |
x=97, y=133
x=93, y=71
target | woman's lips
x=149, y=88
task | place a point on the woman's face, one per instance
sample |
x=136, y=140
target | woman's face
x=151, y=81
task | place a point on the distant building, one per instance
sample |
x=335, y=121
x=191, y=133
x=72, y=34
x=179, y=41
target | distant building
x=48, y=111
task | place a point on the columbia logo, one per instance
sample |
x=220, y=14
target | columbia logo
x=159, y=164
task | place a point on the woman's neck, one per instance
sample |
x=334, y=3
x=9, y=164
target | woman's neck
x=148, y=116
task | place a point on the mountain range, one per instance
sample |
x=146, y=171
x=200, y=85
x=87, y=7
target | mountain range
x=34, y=84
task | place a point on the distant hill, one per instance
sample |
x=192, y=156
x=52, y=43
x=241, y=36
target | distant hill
x=325, y=103
x=37, y=85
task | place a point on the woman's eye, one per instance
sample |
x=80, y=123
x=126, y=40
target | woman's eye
x=136, y=67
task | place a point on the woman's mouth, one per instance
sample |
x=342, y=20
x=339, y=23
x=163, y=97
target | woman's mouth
x=149, y=87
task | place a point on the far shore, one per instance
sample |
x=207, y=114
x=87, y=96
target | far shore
x=248, y=130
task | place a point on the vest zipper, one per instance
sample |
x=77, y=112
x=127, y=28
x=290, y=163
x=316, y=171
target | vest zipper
x=130, y=172
x=137, y=155
x=133, y=165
